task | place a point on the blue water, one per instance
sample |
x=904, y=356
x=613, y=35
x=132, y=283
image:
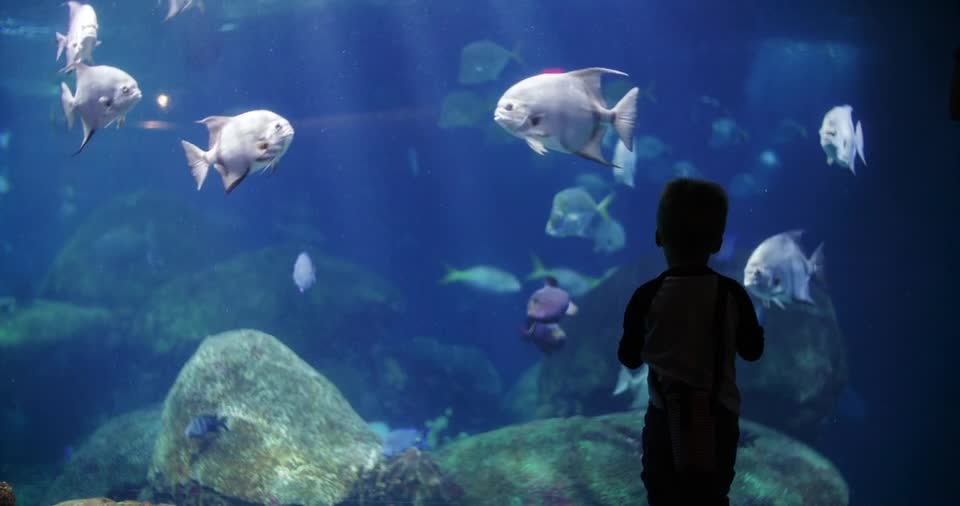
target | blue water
x=362, y=84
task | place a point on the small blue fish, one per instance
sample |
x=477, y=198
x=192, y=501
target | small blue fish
x=201, y=425
x=399, y=440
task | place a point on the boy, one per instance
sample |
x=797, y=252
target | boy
x=687, y=325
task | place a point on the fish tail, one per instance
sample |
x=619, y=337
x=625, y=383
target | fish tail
x=625, y=117
x=603, y=205
x=197, y=160
x=68, y=102
x=817, y=264
x=858, y=142
x=539, y=270
x=451, y=276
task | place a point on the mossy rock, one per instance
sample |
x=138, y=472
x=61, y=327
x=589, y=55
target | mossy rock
x=43, y=323
x=347, y=307
x=596, y=461
x=128, y=246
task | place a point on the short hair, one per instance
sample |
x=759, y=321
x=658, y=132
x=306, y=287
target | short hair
x=692, y=215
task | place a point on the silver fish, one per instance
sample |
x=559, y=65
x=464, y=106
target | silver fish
x=566, y=112
x=609, y=236
x=483, y=61
x=779, y=272
x=624, y=164
x=636, y=384
x=178, y=6
x=485, y=278
x=104, y=94
x=250, y=142
x=840, y=140
x=573, y=212
x=304, y=275
x=81, y=36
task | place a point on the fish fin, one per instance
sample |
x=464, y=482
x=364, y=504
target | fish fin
x=121, y=121
x=214, y=125
x=858, y=142
x=603, y=205
x=802, y=291
x=230, y=179
x=829, y=160
x=625, y=117
x=536, y=146
x=69, y=103
x=591, y=150
x=87, y=135
x=451, y=275
x=765, y=303
x=779, y=304
x=795, y=234
x=817, y=264
x=572, y=309
x=539, y=270
x=623, y=381
x=591, y=80
x=73, y=7
x=197, y=161
x=61, y=45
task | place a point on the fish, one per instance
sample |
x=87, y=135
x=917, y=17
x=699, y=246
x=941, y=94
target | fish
x=635, y=384
x=81, y=36
x=398, y=441
x=178, y=6
x=104, y=94
x=778, y=271
x=548, y=337
x=462, y=109
x=484, y=60
x=566, y=113
x=484, y=278
x=573, y=212
x=609, y=237
x=768, y=160
x=725, y=133
x=304, y=275
x=624, y=164
x=250, y=142
x=203, y=425
x=840, y=140
x=575, y=283
x=550, y=303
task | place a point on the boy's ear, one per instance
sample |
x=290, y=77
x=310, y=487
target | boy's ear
x=658, y=239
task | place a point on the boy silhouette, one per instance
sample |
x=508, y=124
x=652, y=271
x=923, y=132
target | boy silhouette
x=687, y=325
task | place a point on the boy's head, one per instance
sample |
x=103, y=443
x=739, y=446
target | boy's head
x=691, y=219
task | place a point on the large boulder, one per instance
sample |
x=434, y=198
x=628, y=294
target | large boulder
x=794, y=385
x=128, y=246
x=112, y=462
x=347, y=308
x=292, y=438
x=596, y=461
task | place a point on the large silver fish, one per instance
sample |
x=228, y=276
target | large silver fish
x=250, y=142
x=178, y=6
x=779, y=272
x=81, y=36
x=104, y=94
x=566, y=112
x=840, y=140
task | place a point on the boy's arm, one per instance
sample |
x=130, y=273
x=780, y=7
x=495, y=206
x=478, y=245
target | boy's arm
x=749, y=332
x=634, y=328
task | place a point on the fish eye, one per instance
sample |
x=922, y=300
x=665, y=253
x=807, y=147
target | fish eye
x=776, y=281
x=535, y=120
x=125, y=89
x=108, y=103
x=262, y=146
x=508, y=107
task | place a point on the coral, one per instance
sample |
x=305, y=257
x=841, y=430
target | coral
x=411, y=477
x=7, y=497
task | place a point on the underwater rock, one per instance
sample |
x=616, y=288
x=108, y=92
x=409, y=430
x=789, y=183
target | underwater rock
x=793, y=386
x=422, y=375
x=45, y=324
x=411, y=477
x=596, y=461
x=7, y=497
x=112, y=462
x=291, y=437
x=347, y=309
x=128, y=246
x=102, y=501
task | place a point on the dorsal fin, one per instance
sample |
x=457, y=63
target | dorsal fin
x=214, y=125
x=591, y=80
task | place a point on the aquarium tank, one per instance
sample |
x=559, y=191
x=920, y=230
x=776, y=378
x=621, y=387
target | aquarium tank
x=380, y=252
